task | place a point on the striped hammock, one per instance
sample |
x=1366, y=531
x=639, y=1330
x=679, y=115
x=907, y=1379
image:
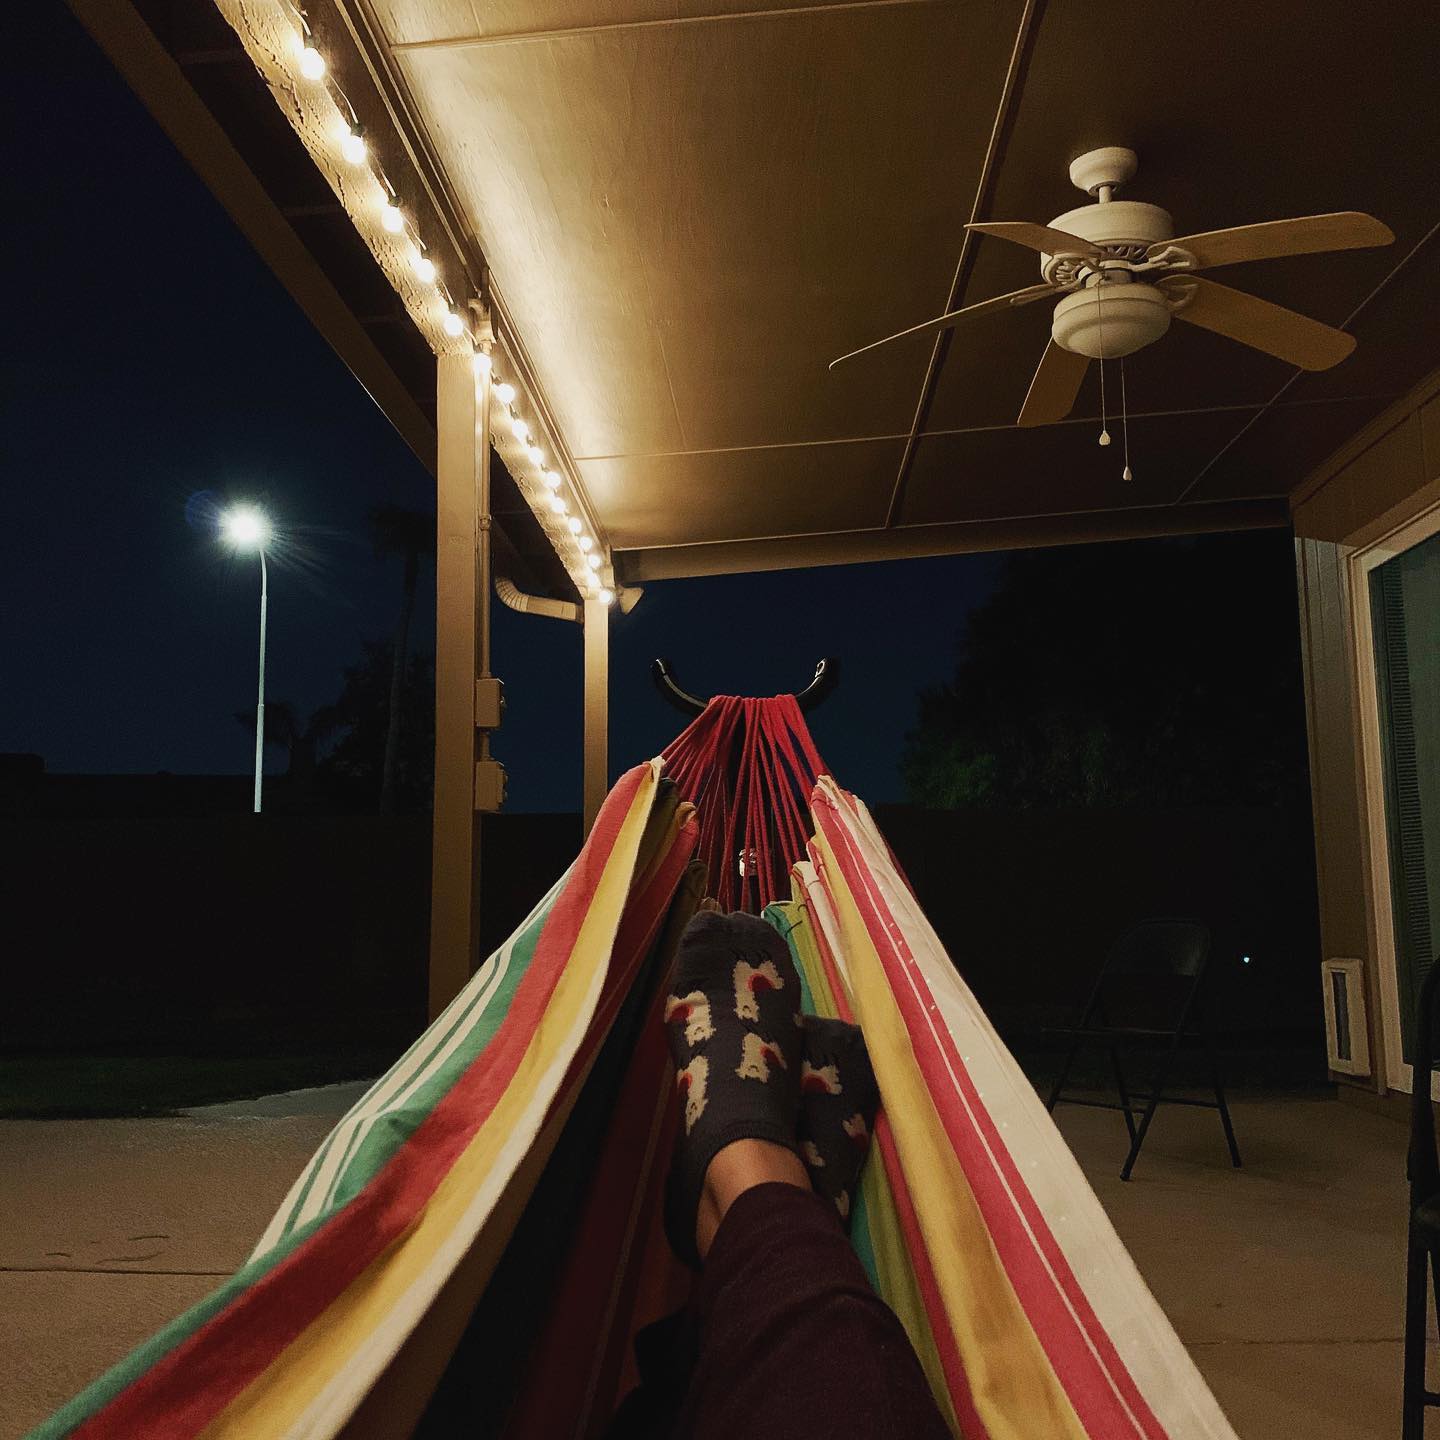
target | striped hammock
x=474, y=1246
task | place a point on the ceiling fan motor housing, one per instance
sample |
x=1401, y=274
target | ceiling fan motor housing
x=1119, y=314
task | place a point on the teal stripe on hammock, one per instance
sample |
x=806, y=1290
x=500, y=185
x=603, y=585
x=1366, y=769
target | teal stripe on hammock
x=354, y=1175
x=371, y=1143
x=373, y=1146
x=147, y=1355
x=860, y=1240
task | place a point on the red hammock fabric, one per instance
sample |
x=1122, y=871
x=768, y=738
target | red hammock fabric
x=749, y=766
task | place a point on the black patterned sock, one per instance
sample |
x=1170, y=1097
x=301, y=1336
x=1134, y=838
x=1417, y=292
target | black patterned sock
x=733, y=1021
x=838, y=1101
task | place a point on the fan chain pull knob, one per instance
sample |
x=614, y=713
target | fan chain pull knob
x=1104, y=437
x=1125, y=474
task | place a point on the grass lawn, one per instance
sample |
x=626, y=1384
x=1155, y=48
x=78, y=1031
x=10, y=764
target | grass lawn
x=59, y=1087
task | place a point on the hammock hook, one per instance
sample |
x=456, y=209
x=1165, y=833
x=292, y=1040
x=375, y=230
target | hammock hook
x=822, y=683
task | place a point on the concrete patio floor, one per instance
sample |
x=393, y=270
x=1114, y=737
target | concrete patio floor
x=1284, y=1278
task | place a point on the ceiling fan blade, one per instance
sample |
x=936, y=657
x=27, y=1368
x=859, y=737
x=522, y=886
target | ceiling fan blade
x=1036, y=237
x=1305, y=235
x=1054, y=388
x=943, y=322
x=1272, y=328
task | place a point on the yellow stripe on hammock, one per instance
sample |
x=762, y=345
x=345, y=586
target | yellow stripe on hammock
x=1013, y=1386
x=371, y=1318
x=893, y=1267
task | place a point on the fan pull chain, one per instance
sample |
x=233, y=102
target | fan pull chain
x=1124, y=423
x=1100, y=326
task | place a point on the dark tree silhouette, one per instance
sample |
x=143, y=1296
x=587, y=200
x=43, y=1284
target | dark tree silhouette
x=411, y=535
x=355, y=765
x=302, y=739
x=1153, y=673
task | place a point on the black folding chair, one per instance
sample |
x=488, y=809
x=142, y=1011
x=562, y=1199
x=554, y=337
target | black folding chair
x=1153, y=971
x=1423, y=1250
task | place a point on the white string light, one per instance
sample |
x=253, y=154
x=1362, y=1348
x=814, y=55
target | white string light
x=312, y=62
x=352, y=145
x=354, y=150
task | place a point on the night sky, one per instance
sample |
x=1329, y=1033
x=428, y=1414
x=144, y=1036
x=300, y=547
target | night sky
x=153, y=367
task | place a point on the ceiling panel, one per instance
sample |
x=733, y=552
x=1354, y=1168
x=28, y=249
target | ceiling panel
x=1282, y=446
x=743, y=494
x=689, y=222
x=1059, y=469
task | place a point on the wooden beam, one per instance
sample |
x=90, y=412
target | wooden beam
x=909, y=542
x=461, y=480
x=597, y=709
x=149, y=70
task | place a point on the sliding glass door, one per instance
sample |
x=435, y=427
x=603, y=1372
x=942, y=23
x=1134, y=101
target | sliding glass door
x=1403, y=595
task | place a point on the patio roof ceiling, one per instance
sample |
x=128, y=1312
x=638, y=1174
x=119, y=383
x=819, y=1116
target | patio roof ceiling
x=687, y=209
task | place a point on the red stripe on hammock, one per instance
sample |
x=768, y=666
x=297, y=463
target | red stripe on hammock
x=185, y=1390
x=962, y=1399
x=1086, y=1362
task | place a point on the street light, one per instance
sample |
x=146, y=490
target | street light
x=247, y=528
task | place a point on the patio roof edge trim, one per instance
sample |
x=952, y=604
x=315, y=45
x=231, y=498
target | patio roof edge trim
x=913, y=542
x=321, y=114
x=1413, y=400
x=162, y=87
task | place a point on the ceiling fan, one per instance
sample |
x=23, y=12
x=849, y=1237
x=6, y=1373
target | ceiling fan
x=1121, y=275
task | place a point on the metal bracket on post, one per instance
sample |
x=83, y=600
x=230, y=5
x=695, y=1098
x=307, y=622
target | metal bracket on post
x=489, y=691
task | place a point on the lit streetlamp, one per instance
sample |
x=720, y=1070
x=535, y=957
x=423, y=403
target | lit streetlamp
x=248, y=529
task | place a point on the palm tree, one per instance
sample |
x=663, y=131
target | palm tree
x=411, y=534
x=301, y=738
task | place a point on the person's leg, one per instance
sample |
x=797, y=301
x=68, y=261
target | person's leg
x=793, y=1342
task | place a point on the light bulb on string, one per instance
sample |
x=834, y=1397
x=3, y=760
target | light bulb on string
x=424, y=267
x=575, y=525
x=593, y=560
x=551, y=479
x=504, y=392
x=520, y=428
x=557, y=505
x=536, y=454
x=481, y=363
x=391, y=217
x=454, y=325
x=312, y=62
x=605, y=595
x=352, y=145
x=586, y=543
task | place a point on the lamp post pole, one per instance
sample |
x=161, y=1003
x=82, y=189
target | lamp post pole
x=260, y=700
x=247, y=528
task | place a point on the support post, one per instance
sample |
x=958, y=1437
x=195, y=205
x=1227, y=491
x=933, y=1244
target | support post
x=597, y=709
x=462, y=537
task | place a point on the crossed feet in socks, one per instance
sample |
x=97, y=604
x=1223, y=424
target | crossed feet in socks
x=750, y=1066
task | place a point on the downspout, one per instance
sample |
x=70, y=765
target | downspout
x=517, y=599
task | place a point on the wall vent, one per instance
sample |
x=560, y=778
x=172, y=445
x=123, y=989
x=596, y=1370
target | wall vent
x=1347, y=1037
